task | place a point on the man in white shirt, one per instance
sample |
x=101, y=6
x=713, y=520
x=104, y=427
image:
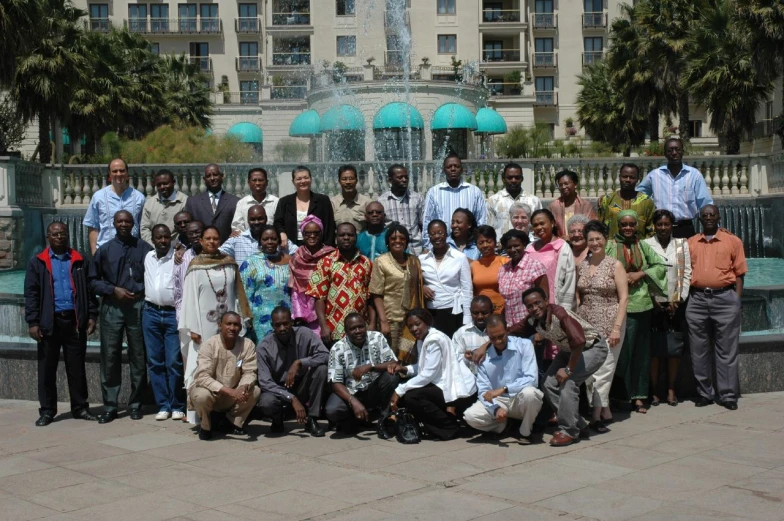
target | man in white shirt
x=472, y=336
x=159, y=325
x=498, y=205
x=258, y=180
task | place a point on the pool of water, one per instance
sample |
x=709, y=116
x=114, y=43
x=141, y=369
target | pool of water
x=763, y=272
x=12, y=282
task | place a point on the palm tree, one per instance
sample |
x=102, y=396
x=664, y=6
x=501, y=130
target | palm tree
x=18, y=25
x=186, y=91
x=720, y=73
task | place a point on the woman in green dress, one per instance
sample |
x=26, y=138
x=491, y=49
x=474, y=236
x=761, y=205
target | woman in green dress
x=628, y=198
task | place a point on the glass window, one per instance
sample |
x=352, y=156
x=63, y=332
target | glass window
x=155, y=47
x=695, y=127
x=159, y=18
x=345, y=7
x=249, y=49
x=210, y=22
x=544, y=44
x=200, y=55
x=248, y=10
x=545, y=84
x=187, y=15
x=544, y=6
x=594, y=6
x=99, y=10
x=347, y=45
x=447, y=44
x=249, y=92
x=492, y=11
x=493, y=51
x=446, y=7
x=592, y=44
x=137, y=18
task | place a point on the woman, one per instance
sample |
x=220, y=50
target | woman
x=557, y=258
x=669, y=309
x=447, y=277
x=577, y=241
x=520, y=216
x=645, y=274
x=627, y=198
x=212, y=286
x=302, y=265
x=484, y=271
x=265, y=276
x=435, y=382
x=569, y=203
x=294, y=208
x=602, y=297
x=396, y=286
x=519, y=274
x=463, y=236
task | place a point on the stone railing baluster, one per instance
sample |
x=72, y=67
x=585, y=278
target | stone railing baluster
x=744, y=179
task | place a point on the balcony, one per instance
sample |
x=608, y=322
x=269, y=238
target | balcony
x=247, y=63
x=203, y=62
x=291, y=58
x=210, y=26
x=247, y=25
x=394, y=19
x=545, y=21
x=545, y=60
x=500, y=15
x=158, y=25
x=284, y=92
x=546, y=98
x=591, y=57
x=394, y=60
x=594, y=20
x=98, y=25
x=250, y=97
x=501, y=55
x=290, y=18
x=504, y=89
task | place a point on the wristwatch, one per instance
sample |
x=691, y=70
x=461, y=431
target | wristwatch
x=506, y=389
x=567, y=371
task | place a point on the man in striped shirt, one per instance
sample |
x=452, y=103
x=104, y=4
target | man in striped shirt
x=403, y=205
x=444, y=198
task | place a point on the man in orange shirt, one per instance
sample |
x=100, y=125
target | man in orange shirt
x=718, y=266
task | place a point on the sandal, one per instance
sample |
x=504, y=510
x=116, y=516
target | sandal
x=640, y=408
x=672, y=403
x=599, y=427
x=655, y=402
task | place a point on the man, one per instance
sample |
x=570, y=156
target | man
x=162, y=208
x=678, y=188
x=403, y=205
x=498, y=205
x=471, y=337
x=507, y=383
x=242, y=246
x=117, y=275
x=718, y=266
x=358, y=372
x=292, y=365
x=215, y=207
x=257, y=182
x=340, y=285
x=181, y=221
x=159, y=324
x=225, y=377
x=373, y=241
x=444, y=198
x=60, y=312
x=349, y=206
x=193, y=232
x=627, y=198
x=107, y=201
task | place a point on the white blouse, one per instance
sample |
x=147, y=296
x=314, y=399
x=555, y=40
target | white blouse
x=450, y=281
x=670, y=257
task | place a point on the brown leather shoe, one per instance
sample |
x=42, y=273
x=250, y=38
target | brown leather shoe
x=561, y=439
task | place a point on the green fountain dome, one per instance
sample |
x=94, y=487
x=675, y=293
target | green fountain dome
x=306, y=124
x=246, y=132
x=397, y=115
x=451, y=116
x=342, y=117
x=488, y=121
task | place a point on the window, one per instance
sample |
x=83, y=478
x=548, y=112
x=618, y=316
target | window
x=447, y=44
x=249, y=49
x=159, y=18
x=446, y=7
x=248, y=10
x=492, y=12
x=768, y=110
x=137, y=18
x=200, y=55
x=543, y=6
x=347, y=45
x=544, y=84
x=155, y=48
x=187, y=15
x=249, y=92
x=99, y=17
x=594, y=6
x=543, y=55
x=493, y=51
x=210, y=23
x=543, y=44
x=249, y=56
x=593, y=49
x=345, y=7
x=695, y=128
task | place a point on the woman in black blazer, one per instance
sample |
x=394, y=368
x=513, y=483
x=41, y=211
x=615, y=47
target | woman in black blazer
x=307, y=203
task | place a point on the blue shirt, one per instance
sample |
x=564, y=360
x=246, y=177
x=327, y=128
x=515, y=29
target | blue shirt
x=61, y=281
x=470, y=251
x=105, y=203
x=372, y=245
x=244, y=245
x=442, y=200
x=514, y=368
x=684, y=195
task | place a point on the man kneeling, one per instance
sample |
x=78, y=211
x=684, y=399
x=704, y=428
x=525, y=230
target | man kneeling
x=507, y=383
x=225, y=377
x=358, y=373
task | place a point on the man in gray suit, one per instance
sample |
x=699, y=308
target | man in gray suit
x=215, y=207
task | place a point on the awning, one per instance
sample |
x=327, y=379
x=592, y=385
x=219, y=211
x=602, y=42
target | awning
x=398, y=115
x=306, y=124
x=246, y=132
x=489, y=121
x=342, y=117
x=65, y=134
x=452, y=115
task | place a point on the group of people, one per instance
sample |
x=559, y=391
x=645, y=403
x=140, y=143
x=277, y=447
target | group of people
x=454, y=306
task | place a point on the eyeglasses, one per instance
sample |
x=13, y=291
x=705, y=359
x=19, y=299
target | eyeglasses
x=311, y=234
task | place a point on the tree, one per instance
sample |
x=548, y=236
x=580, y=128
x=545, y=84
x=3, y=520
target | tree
x=287, y=150
x=186, y=92
x=12, y=127
x=18, y=25
x=520, y=141
x=601, y=109
x=720, y=73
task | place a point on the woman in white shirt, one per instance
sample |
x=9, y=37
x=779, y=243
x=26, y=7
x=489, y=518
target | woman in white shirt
x=448, y=289
x=434, y=382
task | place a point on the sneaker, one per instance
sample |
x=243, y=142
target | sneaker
x=178, y=415
x=163, y=415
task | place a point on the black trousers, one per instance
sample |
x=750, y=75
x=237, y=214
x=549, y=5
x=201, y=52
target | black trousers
x=376, y=396
x=445, y=321
x=429, y=408
x=309, y=388
x=73, y=343
x=684, y=230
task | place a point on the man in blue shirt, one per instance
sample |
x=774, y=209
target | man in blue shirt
x=61, y=313
x=507, y=383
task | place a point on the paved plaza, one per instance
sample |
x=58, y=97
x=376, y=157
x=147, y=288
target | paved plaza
x=676, y=463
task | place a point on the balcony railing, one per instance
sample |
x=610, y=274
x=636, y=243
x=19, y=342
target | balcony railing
x=203, y=62
x=546, y=98
x=545, y=20
x=504, y=55
x=250, y=97
x=393, y=18
x=504, y=89
x=291, y=18
x=289, y=92
x=291, y=58
x=247, y=64
x=210, y=26
x=247, y=25
x=188, y=25
x=499, y=15
x=594, y=20
x=591, y=57
x=545, y=60
x=162, y=25
x=764, y=128
x=98, y=25
x=395, y=59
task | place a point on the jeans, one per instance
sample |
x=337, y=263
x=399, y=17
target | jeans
x=164, y=359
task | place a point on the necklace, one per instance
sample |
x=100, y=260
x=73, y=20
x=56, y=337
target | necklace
x=214, y=315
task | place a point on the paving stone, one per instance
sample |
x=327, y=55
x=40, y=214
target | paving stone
x=115, y=466
x=147, y=507
x=606, y=505
x=437, y=505
x=10, y=465
x=75, y=453
x=681, y=512
x=31, y=483
x=147, y=441
x=165, y=478
x=84, y=495
x=16, y=509
x=362, y=487
x=290, y=504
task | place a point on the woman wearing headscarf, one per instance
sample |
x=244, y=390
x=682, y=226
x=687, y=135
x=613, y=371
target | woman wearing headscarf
x=646, y=273
x=301, y=267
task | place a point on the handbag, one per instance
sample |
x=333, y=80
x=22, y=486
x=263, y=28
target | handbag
x=667, y=331
x=407, y=428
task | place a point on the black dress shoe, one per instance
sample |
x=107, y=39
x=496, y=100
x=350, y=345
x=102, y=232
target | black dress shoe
x=85, y=414
x=732, y=406
x=313, y=427
x=238, y=431
x=43, y=421
x=107, y=417
x=204, y=434
x=136, y=414
x=702, y=402
x=277, y=427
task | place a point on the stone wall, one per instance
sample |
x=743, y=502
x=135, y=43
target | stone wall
x=11, y=242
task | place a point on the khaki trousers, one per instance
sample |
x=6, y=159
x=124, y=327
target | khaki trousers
x=205, y=401
x=524, y=406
